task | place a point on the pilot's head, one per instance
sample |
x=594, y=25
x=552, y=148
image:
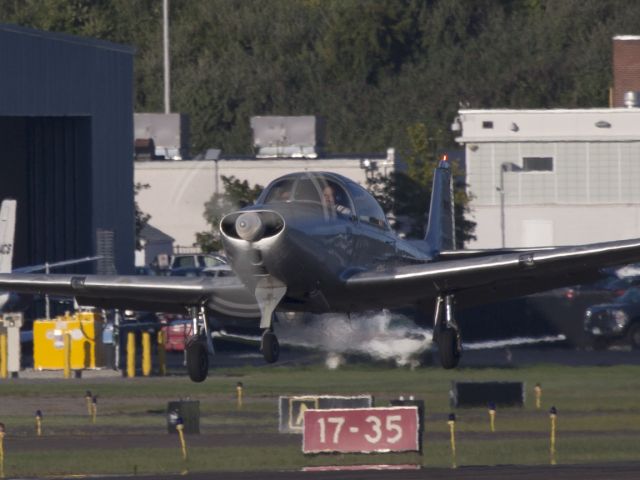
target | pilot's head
x=329, y=195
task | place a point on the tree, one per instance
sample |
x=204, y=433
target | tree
x=141, y=218
x=406, y=194
x=237, y=194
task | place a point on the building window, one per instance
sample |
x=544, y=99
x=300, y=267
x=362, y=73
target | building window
x=537, y=164
x=487, y=124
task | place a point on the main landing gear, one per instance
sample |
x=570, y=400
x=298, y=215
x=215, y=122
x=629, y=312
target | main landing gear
x=199, y=346
x=446, y=333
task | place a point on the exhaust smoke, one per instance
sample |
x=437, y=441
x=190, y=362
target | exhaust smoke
x=379, y=335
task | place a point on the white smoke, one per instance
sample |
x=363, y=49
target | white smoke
x=380, y=335
x=383, y=335
x=512, y=342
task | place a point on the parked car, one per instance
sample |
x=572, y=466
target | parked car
x=222, y=270
x=601, y=290
x=617, y=321
x=201, y=260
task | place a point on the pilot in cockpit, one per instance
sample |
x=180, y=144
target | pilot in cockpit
x=329, y=198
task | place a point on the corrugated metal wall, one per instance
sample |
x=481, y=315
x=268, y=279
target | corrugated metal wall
x=66, y=143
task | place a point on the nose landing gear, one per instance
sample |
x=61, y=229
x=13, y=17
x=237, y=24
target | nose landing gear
x=269, y=292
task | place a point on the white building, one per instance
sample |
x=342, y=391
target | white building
x=558, y=177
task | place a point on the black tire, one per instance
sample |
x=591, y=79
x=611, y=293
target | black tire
x=448, y=348
x=197, y=359
x=634, y=336
x=270, y=347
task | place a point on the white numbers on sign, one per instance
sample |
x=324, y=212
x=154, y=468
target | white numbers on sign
x=337, y=421
x=392, y=428
x=375, y=425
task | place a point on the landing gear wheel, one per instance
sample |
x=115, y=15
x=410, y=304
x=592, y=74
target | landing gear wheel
x=270, y=347
x=634, y=336
x=448, y=347
x=197, y=359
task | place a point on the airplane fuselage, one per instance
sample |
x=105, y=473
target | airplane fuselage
x=312, y=249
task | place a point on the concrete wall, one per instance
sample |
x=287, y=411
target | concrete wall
x=589, y=194
x=529, y=226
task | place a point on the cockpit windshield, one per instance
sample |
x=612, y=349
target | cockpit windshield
x=281, y=191
x=312, y=188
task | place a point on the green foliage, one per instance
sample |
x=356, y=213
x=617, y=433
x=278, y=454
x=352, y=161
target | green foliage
x=406, y=194
x=237, y=194
x=141, y=218
x=377, y=71
x=372, y=68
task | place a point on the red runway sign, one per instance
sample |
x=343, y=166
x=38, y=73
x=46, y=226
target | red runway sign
x=391, y=429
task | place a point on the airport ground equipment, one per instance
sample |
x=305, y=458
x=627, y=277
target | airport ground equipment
x=10, y=325
x=85, y=332
x=475, y=394
x=189, y=413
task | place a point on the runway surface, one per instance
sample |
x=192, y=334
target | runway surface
x=626, y=471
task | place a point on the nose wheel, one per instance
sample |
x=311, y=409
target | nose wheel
x=270, y=347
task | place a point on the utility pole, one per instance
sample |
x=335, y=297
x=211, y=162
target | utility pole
x=165, y=29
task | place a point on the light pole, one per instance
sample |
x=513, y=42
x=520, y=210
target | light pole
x=504, y=167
x=501, y=190
x=165, y=49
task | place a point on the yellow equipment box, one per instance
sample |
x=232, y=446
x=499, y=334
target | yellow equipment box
x=85, y=332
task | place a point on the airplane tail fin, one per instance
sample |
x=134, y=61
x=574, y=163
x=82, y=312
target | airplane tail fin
x=441, y=233
x=7, y=233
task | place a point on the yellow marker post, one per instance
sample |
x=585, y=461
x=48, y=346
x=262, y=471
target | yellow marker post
x=87, y=398
x=183, y=444
x=66, y=338
x=146, y=354
x=492, y=417
x=38, y=423
x=239, y=392
x=452, y=430
x=94, y=408
x=538, y=391
x=162, y=354
x=2, y=429
x=4, y=372
x=131, y=355
x=553, y=415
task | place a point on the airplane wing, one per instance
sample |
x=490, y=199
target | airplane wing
x=225, y=295
x=493, y=277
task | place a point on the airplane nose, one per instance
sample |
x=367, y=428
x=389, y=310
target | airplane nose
x=249, y=226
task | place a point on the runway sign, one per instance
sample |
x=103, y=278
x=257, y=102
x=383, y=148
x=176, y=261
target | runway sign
x=361, y=430
x=292, y=408
x=473, y=394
